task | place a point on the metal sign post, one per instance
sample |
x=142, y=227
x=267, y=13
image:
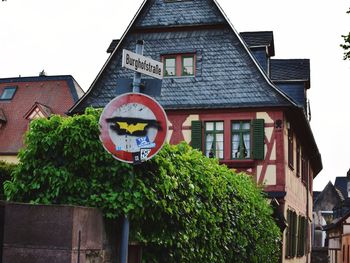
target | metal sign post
x=137, y=76
x=126, y=224
x=133, y=125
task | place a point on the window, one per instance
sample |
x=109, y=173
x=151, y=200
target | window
x=8, y=93
x=214, y=139
x=169, y=67
x=36, y=114
x=247, y=139
x=179, y=65
x=304, y=168
x=290, y=148
x=298, y=160
x=241, y=140
x=188, y=66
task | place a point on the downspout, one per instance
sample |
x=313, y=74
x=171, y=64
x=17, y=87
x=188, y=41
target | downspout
x=307, y=216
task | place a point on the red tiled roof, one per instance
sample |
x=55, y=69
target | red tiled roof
x=58, y=93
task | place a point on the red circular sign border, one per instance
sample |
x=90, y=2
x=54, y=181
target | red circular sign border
x=139, y=98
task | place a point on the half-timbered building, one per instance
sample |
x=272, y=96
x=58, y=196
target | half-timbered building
x=225, y=95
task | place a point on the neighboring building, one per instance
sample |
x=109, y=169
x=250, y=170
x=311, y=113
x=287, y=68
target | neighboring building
x=338, y=233
x=225, y=95
x=25, y=98
x=323, y=204
x=332, y=219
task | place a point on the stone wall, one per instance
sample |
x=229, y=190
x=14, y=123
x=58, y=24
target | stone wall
x=57, y=234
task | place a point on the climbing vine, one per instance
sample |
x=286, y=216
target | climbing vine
x=183, y=207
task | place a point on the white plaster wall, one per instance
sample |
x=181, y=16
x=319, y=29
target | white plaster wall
x=9, y=158
x=187, y=133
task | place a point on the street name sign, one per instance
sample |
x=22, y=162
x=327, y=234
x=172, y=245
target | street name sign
x=133, y=127
x=142, y=64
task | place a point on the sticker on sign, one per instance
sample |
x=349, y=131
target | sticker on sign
x=142, y=64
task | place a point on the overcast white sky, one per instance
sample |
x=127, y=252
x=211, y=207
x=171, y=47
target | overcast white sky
x=71, y=37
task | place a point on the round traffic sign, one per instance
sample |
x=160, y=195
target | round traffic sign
x=133, y=127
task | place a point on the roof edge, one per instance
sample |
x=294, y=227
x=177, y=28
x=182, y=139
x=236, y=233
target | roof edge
x=35, y=78
x=252, y=57
x=110, y=57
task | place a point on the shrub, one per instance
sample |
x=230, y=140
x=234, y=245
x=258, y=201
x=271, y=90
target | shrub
x=183, y=207
x=5, y=174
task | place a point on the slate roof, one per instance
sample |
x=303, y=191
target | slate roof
x=325, y=200
x=58, y=93
x=228, y=79
x=290, y=69
x=179, y=13
x=315, y=194
x=258, y=39
x=341, y=183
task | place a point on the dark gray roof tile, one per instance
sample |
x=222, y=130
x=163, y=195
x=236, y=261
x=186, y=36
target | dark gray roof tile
x=257, y=38
x=180, y=13
x=341, y=183
x=290, y=69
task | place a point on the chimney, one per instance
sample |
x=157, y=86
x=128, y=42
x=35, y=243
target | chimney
x=42, y=73
x=113, y=45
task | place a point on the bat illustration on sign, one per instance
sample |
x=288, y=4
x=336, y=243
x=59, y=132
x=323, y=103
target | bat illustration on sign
x=132, y=126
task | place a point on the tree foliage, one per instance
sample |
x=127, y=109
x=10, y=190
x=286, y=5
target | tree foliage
x=5, y=174
x=346, y=45
x=183, y=207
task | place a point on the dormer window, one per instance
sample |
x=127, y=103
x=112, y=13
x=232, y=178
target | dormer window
x=3, y=119
x=8, y=93
x=36, y=114
x=179, y=65
x=38, y=111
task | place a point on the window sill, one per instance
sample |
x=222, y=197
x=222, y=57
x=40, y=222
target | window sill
x=238, y=163
x=179, y=77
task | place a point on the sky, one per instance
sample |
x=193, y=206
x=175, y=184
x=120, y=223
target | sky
x=70, y=37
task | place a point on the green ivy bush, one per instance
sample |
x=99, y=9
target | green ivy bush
x=183, y=207
x=5, y=174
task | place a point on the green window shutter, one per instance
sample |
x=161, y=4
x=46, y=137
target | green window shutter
x=288, y=242
x=304, y=235
x=295, y=234
x=196, y=135
x=258, y=139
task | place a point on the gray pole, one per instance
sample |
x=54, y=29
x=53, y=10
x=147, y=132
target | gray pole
x=124, y=241
x=126, y=225
x=137, y=76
